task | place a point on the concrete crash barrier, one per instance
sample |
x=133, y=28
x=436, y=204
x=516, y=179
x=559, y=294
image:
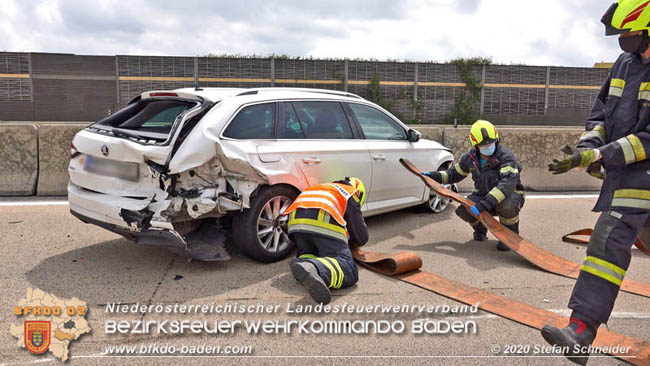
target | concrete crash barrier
x=54, y=156
x=18, y=159
x=535, y=147
x=34, y=157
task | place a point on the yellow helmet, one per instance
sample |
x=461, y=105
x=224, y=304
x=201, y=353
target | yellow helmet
x=361, y=189
x=627, y=16
x=483, y=132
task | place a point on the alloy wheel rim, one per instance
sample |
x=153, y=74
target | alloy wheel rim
x=272, y=230
x=439, y=204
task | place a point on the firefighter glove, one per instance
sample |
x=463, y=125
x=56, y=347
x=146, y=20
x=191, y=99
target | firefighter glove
x=578, y=158
x=477, y=209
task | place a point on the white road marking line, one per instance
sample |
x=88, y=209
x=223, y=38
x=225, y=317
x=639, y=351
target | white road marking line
x=33, y=203
x=563, y=312
x=559, y=196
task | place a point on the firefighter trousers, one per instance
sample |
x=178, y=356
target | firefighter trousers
x=332, y=258
x=608, y=257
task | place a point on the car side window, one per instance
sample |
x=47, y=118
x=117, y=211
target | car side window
x=289, y=127
x=253, y=122
x=376, y=125
x=323, y=120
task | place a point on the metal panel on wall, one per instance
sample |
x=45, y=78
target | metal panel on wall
x=73, y=100
x=515, y=74
x=15, y=85
x=155, y=66
x=522, y=101
x=585, y=76
x=72, y=65
x=242, y=68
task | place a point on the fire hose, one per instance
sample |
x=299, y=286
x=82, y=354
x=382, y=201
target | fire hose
x=533, y=254
x=571, y=238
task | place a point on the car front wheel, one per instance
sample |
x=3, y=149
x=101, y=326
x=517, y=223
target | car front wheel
x=261, y=230
x=436, y=203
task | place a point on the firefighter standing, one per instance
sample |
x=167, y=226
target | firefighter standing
x=617, y=136
x=323, y=220
x=497, y=187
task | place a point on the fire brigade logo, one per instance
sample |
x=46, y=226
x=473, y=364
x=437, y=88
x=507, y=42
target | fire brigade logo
x=37, y=336
x=49, y=323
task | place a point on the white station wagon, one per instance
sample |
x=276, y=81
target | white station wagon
x=180, y=168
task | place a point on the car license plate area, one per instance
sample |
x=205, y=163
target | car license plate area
x=111, y=168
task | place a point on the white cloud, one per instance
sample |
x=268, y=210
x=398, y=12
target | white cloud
x=551, y=32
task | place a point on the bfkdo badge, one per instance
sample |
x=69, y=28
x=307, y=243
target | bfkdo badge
x=37, y=335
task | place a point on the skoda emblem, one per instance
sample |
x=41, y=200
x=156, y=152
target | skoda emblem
x=105, y=150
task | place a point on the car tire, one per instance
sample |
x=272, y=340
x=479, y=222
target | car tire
x=261, y=231
x=436, y=203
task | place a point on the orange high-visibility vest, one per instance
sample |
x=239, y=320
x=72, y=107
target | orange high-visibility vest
x=331, y=197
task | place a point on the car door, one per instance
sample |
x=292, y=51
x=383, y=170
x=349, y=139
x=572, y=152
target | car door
x=392, y=186
x=319, y=138
x=314, y=141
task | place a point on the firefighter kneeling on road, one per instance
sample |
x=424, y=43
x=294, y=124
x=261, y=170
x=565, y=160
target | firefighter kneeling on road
x=497, y=187
x=323, y=220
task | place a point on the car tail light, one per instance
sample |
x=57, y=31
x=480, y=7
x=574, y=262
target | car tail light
x=160, y=94
x=73, y=151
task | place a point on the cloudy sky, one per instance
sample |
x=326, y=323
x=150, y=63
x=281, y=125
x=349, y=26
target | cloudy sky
x=539, y=32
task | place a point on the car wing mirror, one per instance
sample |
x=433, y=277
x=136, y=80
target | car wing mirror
x=413, y=135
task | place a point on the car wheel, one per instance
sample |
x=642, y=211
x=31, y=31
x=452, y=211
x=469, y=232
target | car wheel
x=261, y=230
x=436, y=203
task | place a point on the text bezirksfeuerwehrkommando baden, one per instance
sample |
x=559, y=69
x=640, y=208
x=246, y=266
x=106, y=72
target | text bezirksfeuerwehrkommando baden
x=288, y=326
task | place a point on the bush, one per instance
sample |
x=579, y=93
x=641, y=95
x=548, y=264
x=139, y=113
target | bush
x=466, y=104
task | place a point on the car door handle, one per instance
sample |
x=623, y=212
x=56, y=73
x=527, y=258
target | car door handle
x=311, y=160
x=379, y=157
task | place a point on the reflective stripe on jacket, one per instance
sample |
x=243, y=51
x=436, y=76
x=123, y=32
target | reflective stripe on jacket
x=331, y=197
x=316, y=221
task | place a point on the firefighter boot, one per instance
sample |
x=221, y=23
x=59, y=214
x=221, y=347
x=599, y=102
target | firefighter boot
x=575, y=338
x=500, y=245
x=307, y=274
x=480, y=232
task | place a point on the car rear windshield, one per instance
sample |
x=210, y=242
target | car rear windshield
x=147, y=118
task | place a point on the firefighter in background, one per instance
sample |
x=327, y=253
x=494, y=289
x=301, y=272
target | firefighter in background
x=497, y=187
x=323, y=220
x=617, y=136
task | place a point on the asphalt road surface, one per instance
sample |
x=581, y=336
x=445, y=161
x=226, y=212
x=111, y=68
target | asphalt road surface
x=44, y=247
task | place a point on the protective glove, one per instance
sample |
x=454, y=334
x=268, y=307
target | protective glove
x=434, y=175
x=578, y=158
x=477, y=209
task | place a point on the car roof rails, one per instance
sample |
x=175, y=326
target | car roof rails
x=304, y=90
x=248, y=92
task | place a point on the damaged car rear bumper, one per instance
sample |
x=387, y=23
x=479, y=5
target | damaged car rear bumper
x=132, y=219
